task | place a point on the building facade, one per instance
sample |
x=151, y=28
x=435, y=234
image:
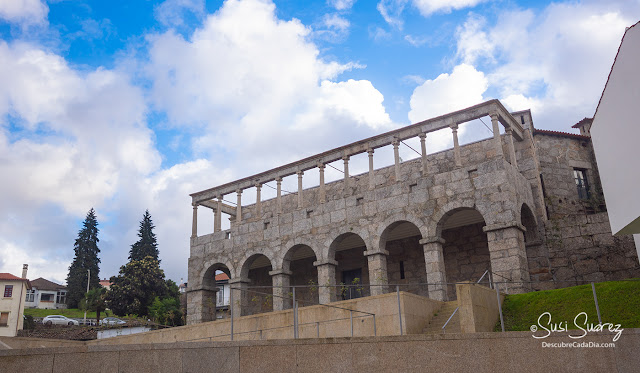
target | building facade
x=46, y=294
x=12, y=302
x=510, y=204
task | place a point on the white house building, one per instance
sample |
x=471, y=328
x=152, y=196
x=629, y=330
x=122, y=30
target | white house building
x=616, y=133
x=46, y=294
x=12, y=302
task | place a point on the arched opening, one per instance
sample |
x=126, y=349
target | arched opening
x=299, y=261
x=537, y=253
x=405, y=262
x=216, y=301
x=466, y=249
x=259, y=294
x=352, y=270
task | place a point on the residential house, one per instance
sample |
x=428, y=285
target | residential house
x=12, y=302
x=46, y=294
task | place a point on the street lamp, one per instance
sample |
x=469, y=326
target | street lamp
x=86, y=305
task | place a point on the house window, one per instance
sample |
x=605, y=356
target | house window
x=46, y=297
x=4, y=318
x=8, y=291
x=61, y=297
x=30, y=295
x=580, y=176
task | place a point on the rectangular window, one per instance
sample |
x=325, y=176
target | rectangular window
x=4, y=318
x=8, y=291
x=46, y=298
x=582, y=184
x=30, y=295
x=61, y=297
x=401, y=270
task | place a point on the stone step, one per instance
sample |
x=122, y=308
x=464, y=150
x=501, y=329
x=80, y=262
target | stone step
x=436, y=323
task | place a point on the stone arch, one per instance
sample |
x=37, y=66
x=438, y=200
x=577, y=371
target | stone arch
x=247, y=261
x=528, y=220
x=451, y=208
x=335, y=238
x=257, y=293
x=298, y=263
x=280, y=260
x=347, y=250
x=465, y=248
x=405, y=259
x=208, y=277
x=409, y=218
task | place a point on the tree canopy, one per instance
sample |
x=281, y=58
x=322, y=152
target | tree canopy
x=146, y=245
x=86, y=258
x=135, y=288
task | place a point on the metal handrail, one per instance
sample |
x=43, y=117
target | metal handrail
x=456, y=310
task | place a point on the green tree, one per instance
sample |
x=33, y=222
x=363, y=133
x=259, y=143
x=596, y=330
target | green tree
x=166, y=311
x=135, y=288
x=95, y=300
x=86, y=258
x=146, y=245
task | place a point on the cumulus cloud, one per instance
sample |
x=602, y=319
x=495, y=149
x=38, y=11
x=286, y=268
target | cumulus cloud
x=333, y=28
x=25, y=12
x=428, y=7
x=171, y=13
x=556, y=61
x=341, y=4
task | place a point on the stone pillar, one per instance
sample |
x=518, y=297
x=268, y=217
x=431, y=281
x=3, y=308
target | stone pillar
x=377, y=263
x=281, y=281
x=508, y=256
x=321, y=191
x=239, y=206
x=372, y=181
x=345, y=159
x=512, y=149
x=497, y=140
x=194, y=222
x=327, y=291
x=396, y=157
x=201, y=305
x=423, y=145
x=279, y=194
x=456, y=145
x=240, y=296
x=217, y=219
x=434, y=262
x=258, y=201
x=300, y=197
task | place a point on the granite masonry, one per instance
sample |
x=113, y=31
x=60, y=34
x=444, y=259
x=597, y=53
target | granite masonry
x=525, y=205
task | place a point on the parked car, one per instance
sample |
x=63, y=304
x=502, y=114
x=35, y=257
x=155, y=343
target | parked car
x=112, y=321
x=59, y=320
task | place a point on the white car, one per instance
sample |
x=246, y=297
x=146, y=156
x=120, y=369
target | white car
x=59, y=320
x=112, y=321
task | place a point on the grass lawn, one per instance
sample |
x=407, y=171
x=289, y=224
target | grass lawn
x=619, y=303
x=70, y=312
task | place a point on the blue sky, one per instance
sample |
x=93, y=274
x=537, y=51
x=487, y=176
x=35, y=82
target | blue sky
x=131, y=105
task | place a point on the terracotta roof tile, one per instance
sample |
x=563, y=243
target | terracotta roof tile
x=561, y=134
x=43, y=284
x=580, y=123
x=222, y=277
x=10, y=277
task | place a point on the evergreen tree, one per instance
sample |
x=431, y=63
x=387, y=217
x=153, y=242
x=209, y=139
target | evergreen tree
x=146, y=245
x=86, y=258
x=136, y=287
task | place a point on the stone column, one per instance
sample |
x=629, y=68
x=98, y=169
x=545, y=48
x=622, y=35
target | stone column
x=423, y=145
x=345, y=159
x=456, y=145
x=326, y=281
x=497, y=140
x=377, y=263
x=321, y=191
x=201, y=305
x=239, y=206
x=512, y=149
x=217, y=223
x=372, y=181
x=194, y=222
x=396, y=157
x=240, y=296
x=300, y=197
x=434, y=262
x=508, y=256
x=258, y=201
x=279, y=194
x=281, y=281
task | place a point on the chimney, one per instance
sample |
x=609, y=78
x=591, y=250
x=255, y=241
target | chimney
x=25, y=267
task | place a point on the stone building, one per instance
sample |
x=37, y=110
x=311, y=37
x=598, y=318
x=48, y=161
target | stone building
x=524, y=204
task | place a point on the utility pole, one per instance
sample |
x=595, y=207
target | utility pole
x=86, y=305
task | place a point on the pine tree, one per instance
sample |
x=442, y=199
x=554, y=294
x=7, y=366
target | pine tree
x=86, y=258
x=146, y=245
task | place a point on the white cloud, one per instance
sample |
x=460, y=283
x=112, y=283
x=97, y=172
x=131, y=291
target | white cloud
x=333, y=28
x=428, y=7
x=171, y=13
x=556, y=61
x=378, y=34
x=391, y=11
x=25, y=12
x=341, y=4
x=416, y=41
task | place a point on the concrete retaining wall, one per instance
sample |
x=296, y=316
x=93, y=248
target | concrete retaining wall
x=480, y=352
x=478, y=308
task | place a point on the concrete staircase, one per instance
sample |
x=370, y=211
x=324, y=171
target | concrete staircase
x=435, y=325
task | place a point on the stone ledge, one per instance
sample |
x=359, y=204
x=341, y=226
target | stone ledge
x=428, y=240
x=499, y=226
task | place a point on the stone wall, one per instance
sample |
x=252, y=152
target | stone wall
x=410, y=253
x=466, y=255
